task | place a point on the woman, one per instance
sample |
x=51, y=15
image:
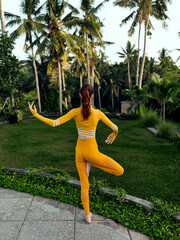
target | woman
x=87, y=153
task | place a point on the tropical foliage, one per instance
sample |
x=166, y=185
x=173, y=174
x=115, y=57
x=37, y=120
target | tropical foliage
x=67, y=40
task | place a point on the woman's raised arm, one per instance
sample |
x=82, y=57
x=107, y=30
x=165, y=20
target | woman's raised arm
x=52, y=123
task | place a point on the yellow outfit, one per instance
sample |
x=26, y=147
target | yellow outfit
x=87, y=149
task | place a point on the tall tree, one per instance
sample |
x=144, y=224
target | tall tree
x=28, y=26
x=143, y=10
x=56, y=40
x=2, y=17
x=10, y=76
x=158, y=10
x=88, y=25
x=79, y=68
x=127, y=55
x=136, y=15
x=162, y=91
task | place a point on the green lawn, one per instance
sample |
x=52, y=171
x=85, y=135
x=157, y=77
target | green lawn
x=151, y=164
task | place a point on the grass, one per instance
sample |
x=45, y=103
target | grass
x=151, y=164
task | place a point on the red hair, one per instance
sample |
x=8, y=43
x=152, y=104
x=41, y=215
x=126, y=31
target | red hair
x=86, y=93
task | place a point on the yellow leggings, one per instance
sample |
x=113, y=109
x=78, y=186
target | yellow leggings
x=87, y=150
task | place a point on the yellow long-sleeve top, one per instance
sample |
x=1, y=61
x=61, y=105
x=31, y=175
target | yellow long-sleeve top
x=86, y=128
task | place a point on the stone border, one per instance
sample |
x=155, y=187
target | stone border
x=145, y=204
x=152, y=129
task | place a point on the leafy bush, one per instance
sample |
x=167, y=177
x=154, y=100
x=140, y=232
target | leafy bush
x=166, y=129
x=165, y=208
x=156, y=226
x=149, y=119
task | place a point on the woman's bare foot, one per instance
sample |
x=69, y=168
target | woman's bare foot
x=88, y=168
x=88, y=218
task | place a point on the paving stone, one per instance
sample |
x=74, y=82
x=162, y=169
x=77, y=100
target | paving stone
x=6, y=192
x=137, y=235
x=115, y=226
x=47, y=230
x=14, y=208
x=96, y=231
x=49, y=209
x=9, y=230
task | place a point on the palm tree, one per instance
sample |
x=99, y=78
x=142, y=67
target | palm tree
x=28, y=26
x=79, y=68
x=56, y=40
x=89, y=25
x=137, y=20
x=162, y=90
x=127, y=54
x=2, y=17
x=144, y=9
x=157, y=9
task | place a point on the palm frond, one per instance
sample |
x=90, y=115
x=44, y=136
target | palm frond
x=72, y=8
x=38, y=11
x=61, y=9
x=43, y=45
x=125, y=20
x=14, y=22
x=37, y=41
x=10, y=15
x=19, y=31
x=96, y=9
x=134, y=24
x=108, y=43
x=126, y=4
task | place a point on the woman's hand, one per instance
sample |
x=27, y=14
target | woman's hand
x=31, y=106
x=109, y=140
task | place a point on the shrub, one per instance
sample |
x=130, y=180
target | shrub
x=149, y=119
x=156, y=226
x=166, y=129
x=166, y=209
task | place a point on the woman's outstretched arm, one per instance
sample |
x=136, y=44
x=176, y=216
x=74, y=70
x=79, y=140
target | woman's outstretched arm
x=110, y=124
x=52, y=123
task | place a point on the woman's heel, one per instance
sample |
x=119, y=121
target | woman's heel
x=88, y=218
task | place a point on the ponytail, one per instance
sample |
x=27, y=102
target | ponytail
x=86, y=93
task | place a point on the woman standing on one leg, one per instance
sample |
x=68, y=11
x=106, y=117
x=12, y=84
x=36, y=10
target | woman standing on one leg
x=87, y=153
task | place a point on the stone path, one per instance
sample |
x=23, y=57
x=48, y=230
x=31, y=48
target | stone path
x=27, y=217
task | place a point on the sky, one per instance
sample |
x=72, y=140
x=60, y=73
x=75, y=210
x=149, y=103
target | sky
x=112, y=16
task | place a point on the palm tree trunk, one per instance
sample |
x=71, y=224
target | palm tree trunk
x=164, y=111
x=92, y=84
x=5, y=103
x=64, y=86
x=118, y=98
x=99, y=96
x=36, y=75
x=2, y=17
x=12, y=103
x=144, y=54
x=161, y=111
x=112, y=94
x=88, y=67
x=137, y=70
x=60, y=86
x=37, y=81
x=129, y=77
x=80, y=80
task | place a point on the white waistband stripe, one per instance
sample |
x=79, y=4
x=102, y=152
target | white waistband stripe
x=86, y=132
